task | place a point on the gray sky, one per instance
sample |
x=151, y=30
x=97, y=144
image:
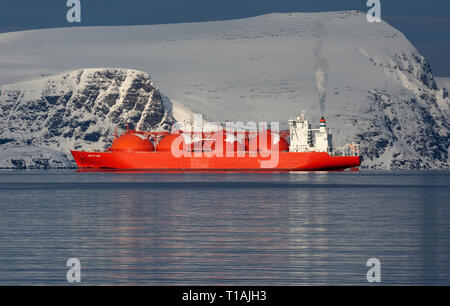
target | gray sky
x=425, y=23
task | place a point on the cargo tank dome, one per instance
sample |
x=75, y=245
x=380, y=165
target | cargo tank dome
x=165, y=144
x=272, y=139
x=132, y=143
x=224, y=142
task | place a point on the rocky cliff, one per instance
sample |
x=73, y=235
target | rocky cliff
x=42, y=120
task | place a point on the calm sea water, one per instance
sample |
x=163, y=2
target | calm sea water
x=224, y=228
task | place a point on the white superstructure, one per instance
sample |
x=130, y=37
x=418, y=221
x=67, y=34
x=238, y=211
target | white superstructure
x=306, y=139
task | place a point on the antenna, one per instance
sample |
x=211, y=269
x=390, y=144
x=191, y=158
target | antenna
x=303, y=115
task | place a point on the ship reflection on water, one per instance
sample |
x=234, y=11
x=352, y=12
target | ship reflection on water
x=224, y=228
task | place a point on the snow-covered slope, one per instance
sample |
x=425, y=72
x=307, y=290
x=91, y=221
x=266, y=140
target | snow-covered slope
x=78, y=109
x=379, y=91
x=33, y=157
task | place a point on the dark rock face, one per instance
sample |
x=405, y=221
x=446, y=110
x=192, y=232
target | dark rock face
x=444, y=93
x=407, y=129
x=403, y=124
x=78, y=110
x=19, y=163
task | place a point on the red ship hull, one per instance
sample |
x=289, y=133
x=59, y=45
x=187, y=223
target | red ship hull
x=165, y=161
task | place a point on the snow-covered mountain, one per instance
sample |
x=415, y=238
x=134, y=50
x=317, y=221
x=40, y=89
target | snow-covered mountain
x=78, y=109
x=377, y=89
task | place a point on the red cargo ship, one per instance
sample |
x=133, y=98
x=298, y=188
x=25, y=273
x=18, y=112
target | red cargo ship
x=308, y=150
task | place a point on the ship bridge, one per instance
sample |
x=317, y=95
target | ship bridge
x=305, y=139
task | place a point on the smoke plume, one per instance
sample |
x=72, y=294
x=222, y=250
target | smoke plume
x=321, y=65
